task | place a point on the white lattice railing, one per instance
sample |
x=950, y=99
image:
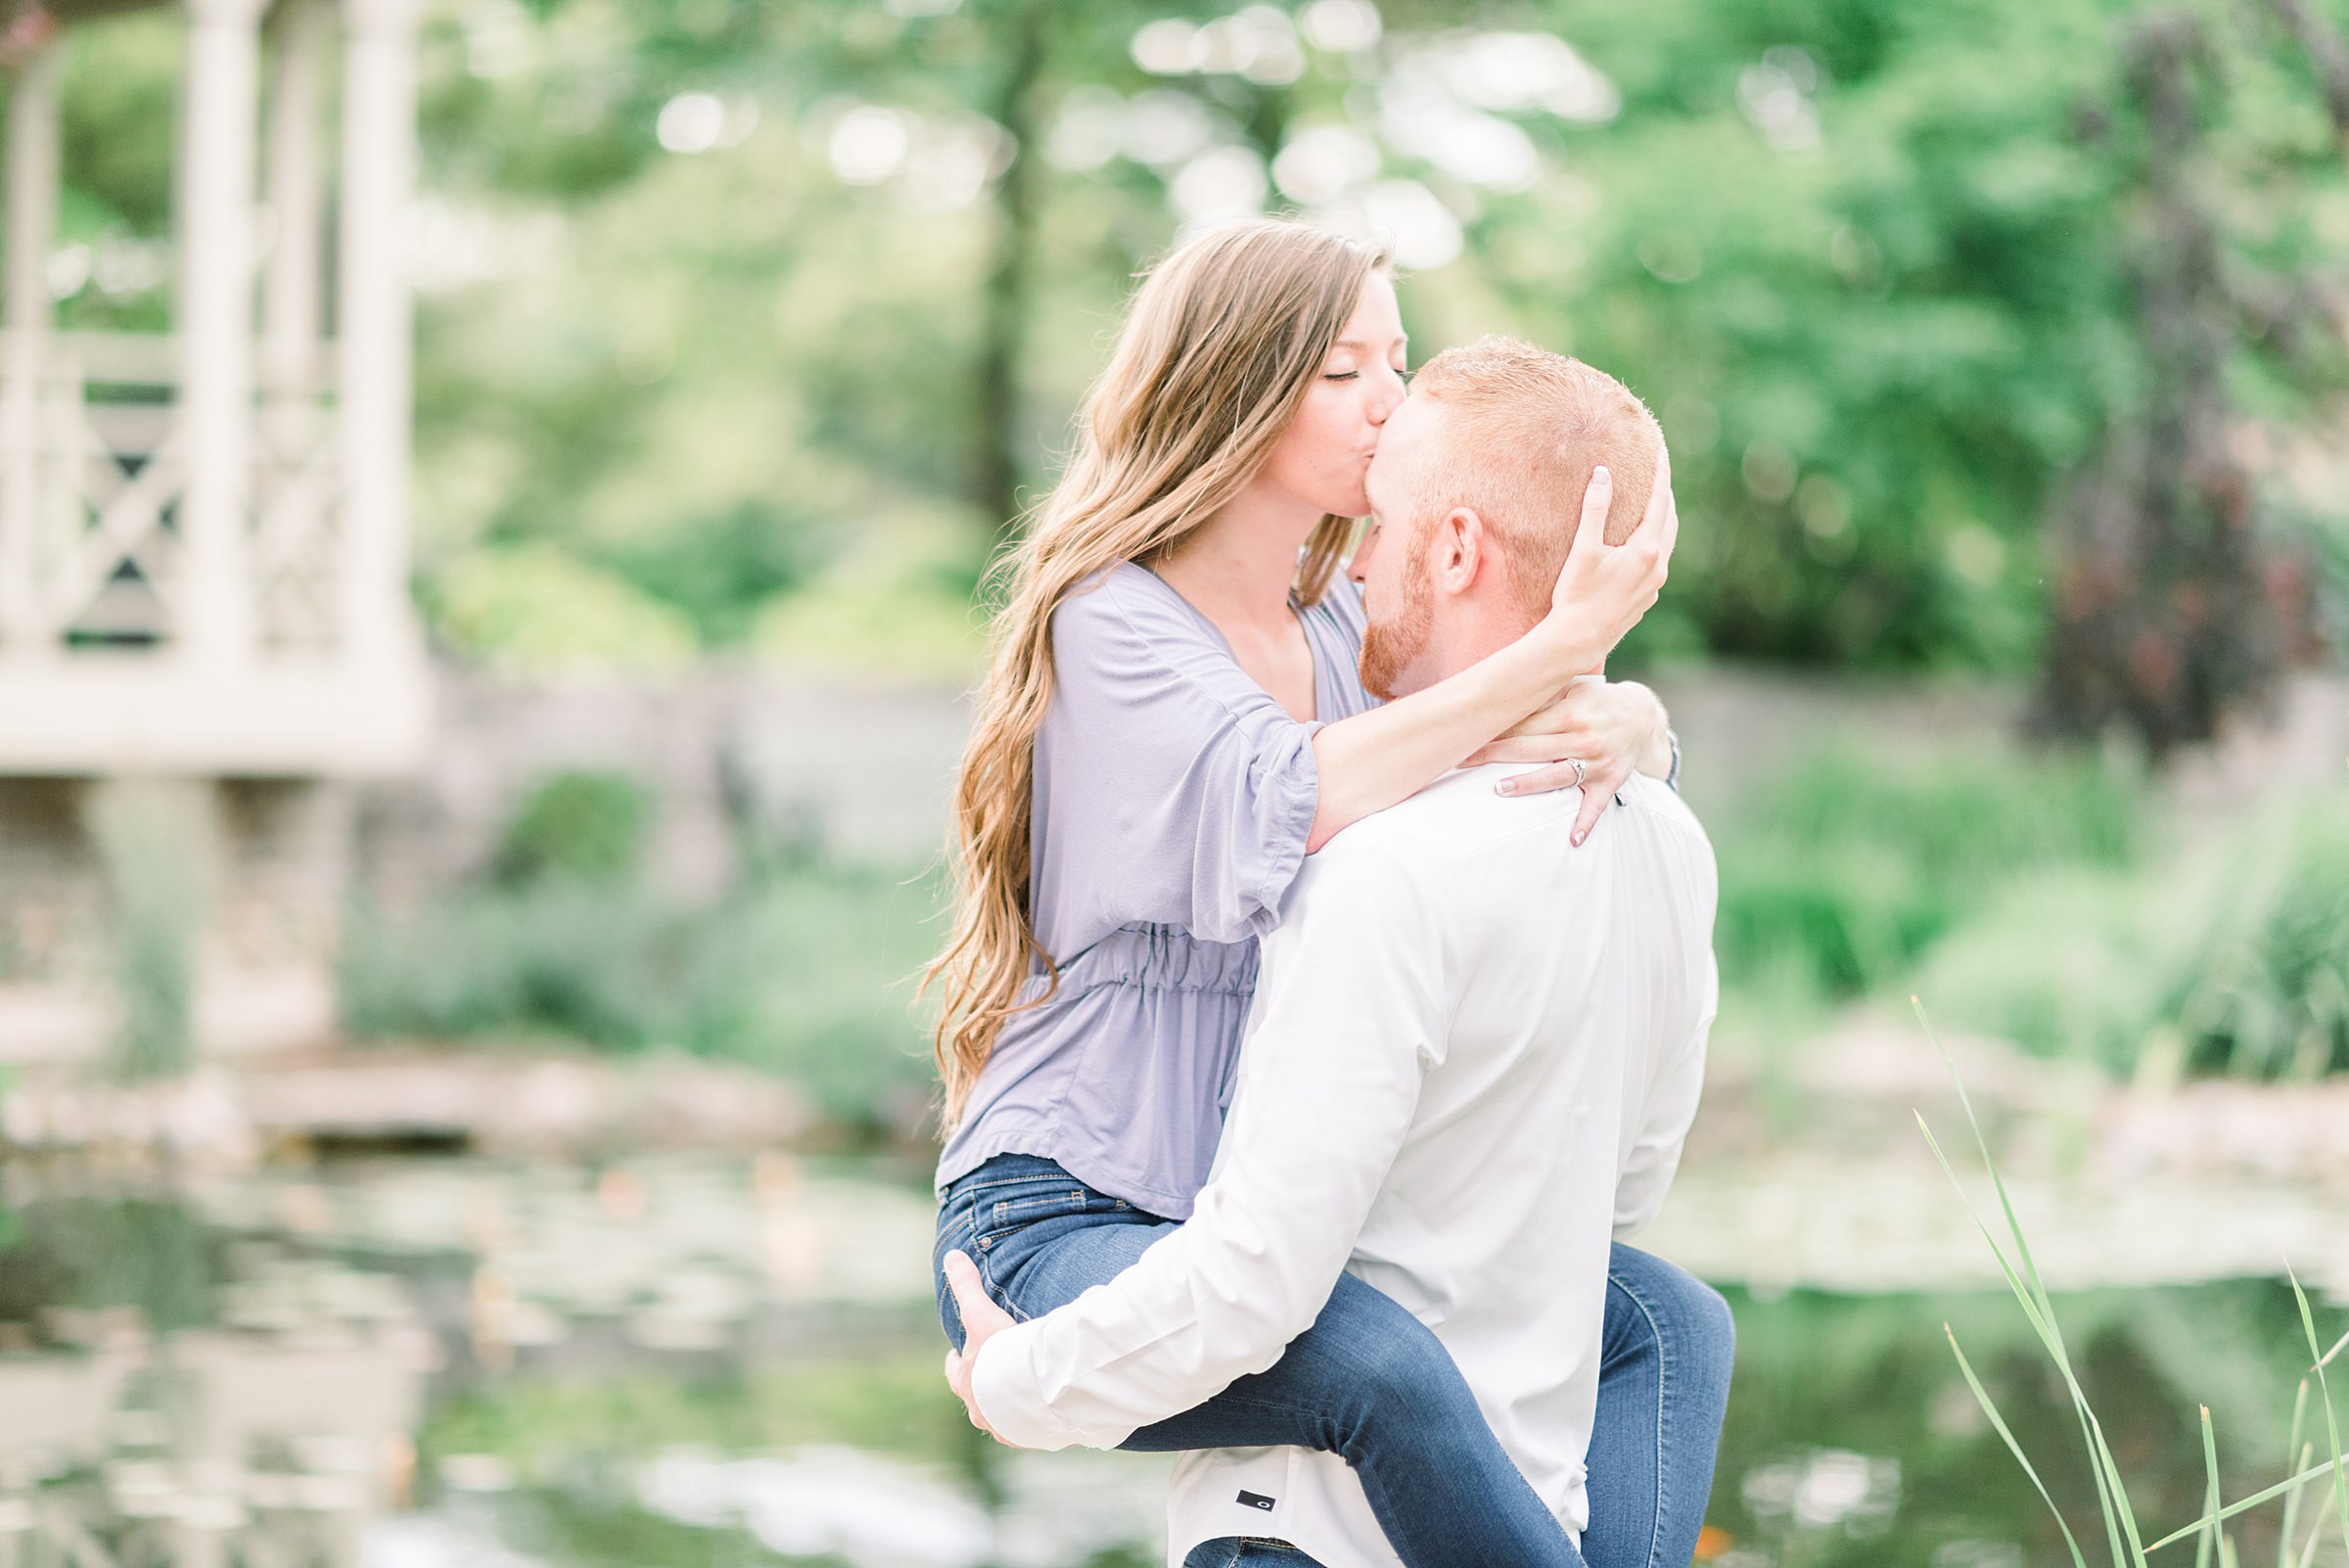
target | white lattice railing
x=104, y=557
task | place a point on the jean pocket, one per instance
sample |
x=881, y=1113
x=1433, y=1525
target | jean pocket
x=1015, y=1208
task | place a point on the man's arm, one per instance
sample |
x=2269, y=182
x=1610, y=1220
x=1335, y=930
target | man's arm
x=1348, y=1016
x=1670, y=1109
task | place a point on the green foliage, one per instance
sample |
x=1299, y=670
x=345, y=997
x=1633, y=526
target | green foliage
x=1848, y=869
x=583, y=824
x=805, y=972
x=2231, y=958
x=679, y=400
x=94, y=1250
x=893, y=1402
x=533, y=607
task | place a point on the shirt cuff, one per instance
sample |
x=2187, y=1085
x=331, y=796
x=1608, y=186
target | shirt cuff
x=1009, y=1391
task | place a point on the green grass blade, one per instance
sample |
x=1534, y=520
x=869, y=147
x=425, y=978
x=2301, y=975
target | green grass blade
x=2210, y=1495
x=2292, y=1502
x=2332, y=1425
x=2299, y=1424
x=2293, y=1448
x=2112, y=1500
x=1998, y=1424
x=2114, y=1509
x=2308, y=1547
x=1965, y=1103
x=2120, y=1494
x=2339, y=1345
x=2015, y=1281
x=2319, y=1472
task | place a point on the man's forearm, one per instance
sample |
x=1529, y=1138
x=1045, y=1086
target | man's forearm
x=1347, y=1010
x=1217, y=1301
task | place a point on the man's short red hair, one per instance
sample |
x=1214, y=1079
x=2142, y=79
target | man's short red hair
x=1521, y=430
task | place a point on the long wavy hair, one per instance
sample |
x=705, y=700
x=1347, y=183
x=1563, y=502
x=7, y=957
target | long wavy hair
x=1220, y=343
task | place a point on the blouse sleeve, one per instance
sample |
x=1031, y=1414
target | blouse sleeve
x=1172, y=789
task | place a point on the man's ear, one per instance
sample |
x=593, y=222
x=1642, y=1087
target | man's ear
x=1463, y=549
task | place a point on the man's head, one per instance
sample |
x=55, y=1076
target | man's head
x=1475, y=494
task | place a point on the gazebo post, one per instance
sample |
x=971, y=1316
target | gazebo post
x=376, y=328
x=32, y=181
x=218, y=129
x=291, y=323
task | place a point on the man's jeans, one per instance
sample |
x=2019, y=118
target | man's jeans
x=1371, y=1383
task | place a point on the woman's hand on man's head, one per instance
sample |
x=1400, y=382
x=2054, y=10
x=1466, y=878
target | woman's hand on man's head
x=1603, y=589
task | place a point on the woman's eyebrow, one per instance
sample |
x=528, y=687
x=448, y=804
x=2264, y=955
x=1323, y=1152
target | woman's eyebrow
x=1400, y=339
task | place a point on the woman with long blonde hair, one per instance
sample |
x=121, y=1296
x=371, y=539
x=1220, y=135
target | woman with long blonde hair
x=1172, y=719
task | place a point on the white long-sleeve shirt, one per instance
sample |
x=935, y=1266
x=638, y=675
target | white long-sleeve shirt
x=1473, y=1056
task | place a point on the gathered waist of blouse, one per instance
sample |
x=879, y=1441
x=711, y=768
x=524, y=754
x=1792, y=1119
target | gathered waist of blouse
x=1150, y=958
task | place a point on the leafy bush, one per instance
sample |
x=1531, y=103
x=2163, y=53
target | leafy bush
x=1849, y=868
x=538, y=607
x=582, y=823
x=805, y=972
x=2235, y=959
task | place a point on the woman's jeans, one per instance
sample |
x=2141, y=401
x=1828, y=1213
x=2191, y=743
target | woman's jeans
x=1371, y=1383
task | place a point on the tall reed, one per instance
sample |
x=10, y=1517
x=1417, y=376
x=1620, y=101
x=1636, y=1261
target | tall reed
x=2124, y=1541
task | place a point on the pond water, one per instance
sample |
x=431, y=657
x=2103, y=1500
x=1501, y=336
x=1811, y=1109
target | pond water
x=673, y=1362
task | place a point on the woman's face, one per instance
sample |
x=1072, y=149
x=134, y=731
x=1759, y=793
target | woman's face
x=1322, y=459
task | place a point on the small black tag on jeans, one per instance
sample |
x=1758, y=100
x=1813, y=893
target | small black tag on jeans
x=1256, y=1500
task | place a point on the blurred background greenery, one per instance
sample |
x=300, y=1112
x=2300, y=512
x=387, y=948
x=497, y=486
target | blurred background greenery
x=2000, y=348
x=1996, y=340
x=750, y=325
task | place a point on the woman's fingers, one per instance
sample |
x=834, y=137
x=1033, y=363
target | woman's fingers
x=1660, y=508
x=1555, y=718
x=1547, y=748
x=1590, y=530
x=1539, y=780
x=1596, y=797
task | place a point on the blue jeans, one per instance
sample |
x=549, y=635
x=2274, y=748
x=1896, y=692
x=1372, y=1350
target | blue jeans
x=1371, y=1383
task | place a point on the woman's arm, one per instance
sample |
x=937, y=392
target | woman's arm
x=1373, y=760
x=1614, y=729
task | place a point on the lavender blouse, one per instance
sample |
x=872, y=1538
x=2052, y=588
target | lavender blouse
x=1173, y=799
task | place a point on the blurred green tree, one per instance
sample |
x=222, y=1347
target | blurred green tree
x=771, y=318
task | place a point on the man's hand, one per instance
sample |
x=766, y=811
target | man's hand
x=982, y=1319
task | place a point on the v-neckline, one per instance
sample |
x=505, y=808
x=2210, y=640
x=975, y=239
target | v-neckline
x=1313, y=654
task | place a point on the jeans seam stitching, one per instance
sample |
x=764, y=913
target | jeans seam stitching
x=1663, y=1413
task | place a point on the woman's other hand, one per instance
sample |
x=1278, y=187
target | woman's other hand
x=1603, y=589
x=1613, y=730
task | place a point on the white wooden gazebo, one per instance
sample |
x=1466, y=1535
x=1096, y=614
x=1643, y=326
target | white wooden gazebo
x=203, y=534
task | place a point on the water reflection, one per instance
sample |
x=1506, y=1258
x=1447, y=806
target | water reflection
x=1853, y=1440
x=426, y=1363
x=172, y=1396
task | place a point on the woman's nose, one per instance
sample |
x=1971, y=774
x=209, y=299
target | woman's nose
x=1387, y=393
